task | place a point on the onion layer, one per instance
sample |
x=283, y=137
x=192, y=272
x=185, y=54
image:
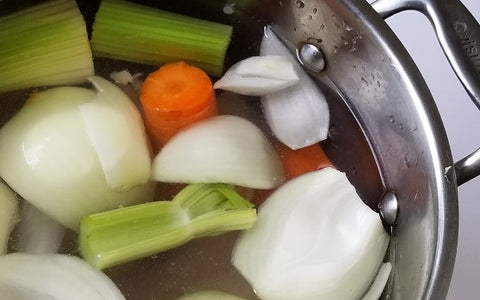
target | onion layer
x=226, y=149
x=297, y=115
x=117, y=133
x=8, y=214
x=314, y=239
x=53, y=276
x=376, y=289
x=36, y=232
x=258, y=75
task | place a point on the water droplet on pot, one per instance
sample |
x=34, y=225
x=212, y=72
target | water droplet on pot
x=338, y=28
x=314, y=10
x=315, y=41
x=346, y=26
x=300, y=4
x=364, y=81
x=406, y=162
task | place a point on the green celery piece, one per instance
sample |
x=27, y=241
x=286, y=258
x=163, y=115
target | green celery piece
x=129, y=233
x=46, y=44
x=125, y=234
x=141, y=34
x=220, y=221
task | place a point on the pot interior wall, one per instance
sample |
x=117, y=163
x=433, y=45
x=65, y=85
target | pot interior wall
x=388, y=97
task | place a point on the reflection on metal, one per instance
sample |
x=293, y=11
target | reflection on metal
x=311, y=57
x=468, y=167
x=389, y=208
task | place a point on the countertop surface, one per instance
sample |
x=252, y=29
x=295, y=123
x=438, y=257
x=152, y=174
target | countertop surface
x=462, y=122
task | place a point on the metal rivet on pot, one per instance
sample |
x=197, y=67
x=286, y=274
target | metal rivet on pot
x=311, y=57
x=389, y=208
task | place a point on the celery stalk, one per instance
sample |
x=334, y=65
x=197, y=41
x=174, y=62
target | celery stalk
x=46, y=44
x=125, y=234
x=132, y=32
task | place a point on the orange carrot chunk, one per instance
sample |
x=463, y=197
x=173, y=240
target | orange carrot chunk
x=173, y=97
x=303, y=160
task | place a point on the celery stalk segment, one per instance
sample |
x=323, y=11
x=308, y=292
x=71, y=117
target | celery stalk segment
x=125, y=234
x=141, y=34
x=46, y=44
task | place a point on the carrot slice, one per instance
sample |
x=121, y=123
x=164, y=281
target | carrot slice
x=173, y=97
x=303, y=160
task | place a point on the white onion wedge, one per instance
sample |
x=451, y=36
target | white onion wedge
x=53, y=277
x=36, y=232
x=117, y=133
x=258, y=75
x=8, y=215
x=314, y=239
x=297, y=115
x=48, y=158
x=226, y=149
x=376, y=289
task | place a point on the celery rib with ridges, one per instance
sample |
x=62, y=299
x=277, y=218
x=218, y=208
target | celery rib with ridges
x=44, y=45
x=136, y=33
x=125, y=234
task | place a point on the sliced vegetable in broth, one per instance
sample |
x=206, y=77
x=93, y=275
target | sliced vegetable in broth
x=204, y=263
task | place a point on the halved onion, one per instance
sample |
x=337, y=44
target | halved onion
x=314, y=239
x=226, y=149
x=51, y=153
x=8, y=214
x=297, y=115
x=53, y=276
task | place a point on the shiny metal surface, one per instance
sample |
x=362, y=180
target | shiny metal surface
x=458, y=33
x=389, y=208
x=468, y=167
x=311, y=57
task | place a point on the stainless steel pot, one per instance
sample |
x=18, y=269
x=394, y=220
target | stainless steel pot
x=384, y=90
x=386, y=133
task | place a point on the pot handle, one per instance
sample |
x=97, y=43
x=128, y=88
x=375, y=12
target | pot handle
x=459, y=36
